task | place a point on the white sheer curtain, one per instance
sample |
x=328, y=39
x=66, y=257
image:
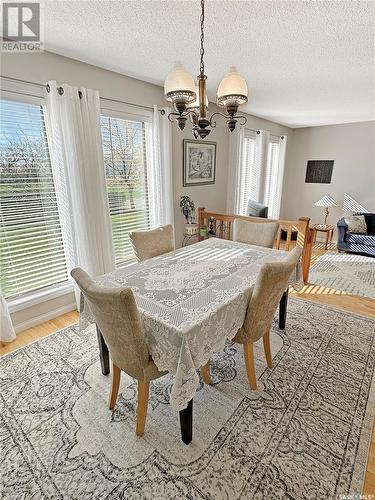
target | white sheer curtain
x=277, y=180
x=159, y=173
x=258, y=177
x=235, y=180
x=73, y=126
x=7, y=333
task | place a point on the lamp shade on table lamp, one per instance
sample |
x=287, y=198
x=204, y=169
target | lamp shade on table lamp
x=326, y=201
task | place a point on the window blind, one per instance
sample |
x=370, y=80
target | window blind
x=125, y=161
x=247, y=175
x=31, y=248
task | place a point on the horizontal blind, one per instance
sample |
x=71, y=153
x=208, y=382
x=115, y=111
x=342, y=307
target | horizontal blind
x=124, y=147
x=31, y=248
x=247, y=174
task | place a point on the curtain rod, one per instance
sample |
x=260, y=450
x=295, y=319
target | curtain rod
x=258, y=132
x=61, y=91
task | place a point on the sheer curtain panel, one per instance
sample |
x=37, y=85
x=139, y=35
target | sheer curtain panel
x=73, y=126
x=159, y=172
x=7, y=333
x=258, y=177
x=277, y=178
x=235, y=171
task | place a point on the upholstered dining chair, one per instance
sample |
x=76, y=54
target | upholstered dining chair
x=271, y=283
x=148, y=244
x=117, y=317
x=262, y=234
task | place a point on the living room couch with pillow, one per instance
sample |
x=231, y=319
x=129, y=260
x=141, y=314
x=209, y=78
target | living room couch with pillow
x=357, y=242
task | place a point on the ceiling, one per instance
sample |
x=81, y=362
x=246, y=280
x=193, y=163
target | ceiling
x=306, y=63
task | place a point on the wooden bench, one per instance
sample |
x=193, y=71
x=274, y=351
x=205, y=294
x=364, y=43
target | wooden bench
x=222, y=225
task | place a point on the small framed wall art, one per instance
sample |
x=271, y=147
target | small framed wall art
x=199, y=163
x=319, y=171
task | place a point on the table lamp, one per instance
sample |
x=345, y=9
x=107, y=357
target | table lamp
x=326, y=201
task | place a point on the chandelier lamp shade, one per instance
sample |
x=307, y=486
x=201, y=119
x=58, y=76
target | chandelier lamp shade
x=179, y=86
x=232, y=89
x=190, y=100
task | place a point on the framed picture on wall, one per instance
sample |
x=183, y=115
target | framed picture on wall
x=319, y=171
x=199, y=163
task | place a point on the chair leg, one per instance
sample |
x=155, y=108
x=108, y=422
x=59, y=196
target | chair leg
x=116, y=375
x=205, y=372
x=248, y=351
x=267, y=349
x=143, y=388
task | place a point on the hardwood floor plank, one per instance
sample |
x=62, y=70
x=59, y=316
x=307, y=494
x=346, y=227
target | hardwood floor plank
x=329, y=296
x=37, y=332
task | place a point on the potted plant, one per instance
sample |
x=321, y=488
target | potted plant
x=187, y=208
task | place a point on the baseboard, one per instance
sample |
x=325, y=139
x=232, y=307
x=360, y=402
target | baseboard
x=37, y=320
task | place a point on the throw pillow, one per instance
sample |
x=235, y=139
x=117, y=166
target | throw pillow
x=356, y=224
x=370, y=221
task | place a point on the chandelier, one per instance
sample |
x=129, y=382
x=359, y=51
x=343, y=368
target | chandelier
x=190, y=100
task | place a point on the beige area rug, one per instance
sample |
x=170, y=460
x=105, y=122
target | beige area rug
x=350, y=273
x=304, y=434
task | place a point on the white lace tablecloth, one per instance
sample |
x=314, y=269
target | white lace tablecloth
x=191, y=301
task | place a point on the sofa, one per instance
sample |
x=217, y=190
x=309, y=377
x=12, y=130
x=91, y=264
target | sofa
x=357, y=243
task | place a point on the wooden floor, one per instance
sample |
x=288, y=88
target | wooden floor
x=335, y=298
x=38, y=332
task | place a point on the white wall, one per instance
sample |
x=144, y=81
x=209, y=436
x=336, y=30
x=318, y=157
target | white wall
x=352, y=147
x=212, y=196
x=41, y=67
x=44, y=66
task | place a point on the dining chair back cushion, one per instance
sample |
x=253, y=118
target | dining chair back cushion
x=148, y=244
x=262, y=234
x=117, y=317
x=270, y=285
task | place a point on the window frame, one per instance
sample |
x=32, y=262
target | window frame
x=114, y=109
x=249, y=135
x=269, y=172
x=30, y=94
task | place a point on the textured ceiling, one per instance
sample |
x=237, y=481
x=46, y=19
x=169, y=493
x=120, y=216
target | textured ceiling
x=306, y=63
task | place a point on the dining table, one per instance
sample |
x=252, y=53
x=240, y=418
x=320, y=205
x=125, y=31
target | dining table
x=191, y=301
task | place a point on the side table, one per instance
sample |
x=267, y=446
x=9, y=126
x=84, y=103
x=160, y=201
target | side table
x=327, y=229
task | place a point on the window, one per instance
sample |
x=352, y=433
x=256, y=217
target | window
x=125, y=161
x=247, y=188
x=261, y=172
x=31, y=248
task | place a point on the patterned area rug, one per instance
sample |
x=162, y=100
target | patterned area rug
x=303, y=434
x=344, y=271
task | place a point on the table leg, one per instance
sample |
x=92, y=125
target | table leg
x=103, y=352
x=282, y=310
x=327, y=239
x=186, y=423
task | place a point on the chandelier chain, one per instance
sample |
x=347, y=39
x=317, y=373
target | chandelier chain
x=202, y=39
